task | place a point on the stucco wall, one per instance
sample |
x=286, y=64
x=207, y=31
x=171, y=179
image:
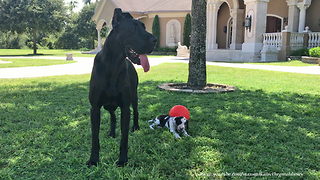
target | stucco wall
x=107, y=12
x=278, y=7
x=163, y=22
x=313, y=16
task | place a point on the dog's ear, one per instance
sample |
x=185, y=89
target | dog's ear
x=127, y=15
x=117, y=17
x=187, y=125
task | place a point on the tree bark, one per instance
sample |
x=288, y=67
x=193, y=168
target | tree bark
x=93, y=45
x=197, y=64
x=34, y=41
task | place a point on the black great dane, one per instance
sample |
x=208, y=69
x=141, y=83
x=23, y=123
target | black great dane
x=114, y=80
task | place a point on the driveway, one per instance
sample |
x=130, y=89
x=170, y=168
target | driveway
x=84, y=66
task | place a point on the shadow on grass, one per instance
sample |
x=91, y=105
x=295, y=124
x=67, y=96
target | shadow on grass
x=26, y=55
x=45, y=133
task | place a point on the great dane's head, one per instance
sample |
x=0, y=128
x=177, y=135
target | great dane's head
x=133, y=37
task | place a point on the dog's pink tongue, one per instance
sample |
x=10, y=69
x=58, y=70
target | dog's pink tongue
x=144, y=62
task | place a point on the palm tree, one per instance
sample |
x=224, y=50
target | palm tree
x=86, y=1
x=73, y=4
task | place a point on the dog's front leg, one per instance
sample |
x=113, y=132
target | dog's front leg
x=95, y=128
x=185, y=133
x=125, y=122
x=173, y=128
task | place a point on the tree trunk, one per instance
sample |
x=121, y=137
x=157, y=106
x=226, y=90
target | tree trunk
x=34, y=41
x=197, y=64
x=93, y=46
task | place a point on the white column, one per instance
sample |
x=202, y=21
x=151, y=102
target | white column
x=257, y=9
x=99, y=39
x=237, y=28
x=302, y=20
x=293, y=16
x=212, y=21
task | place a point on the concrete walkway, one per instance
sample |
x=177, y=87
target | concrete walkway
x=84, y=66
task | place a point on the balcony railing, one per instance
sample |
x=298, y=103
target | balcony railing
x=296, y=40
x=272, y=40
x=314, y=39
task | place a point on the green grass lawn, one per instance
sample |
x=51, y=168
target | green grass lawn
x=269, y=126
x=43, y=52
x=47, y=52
x=24, y=62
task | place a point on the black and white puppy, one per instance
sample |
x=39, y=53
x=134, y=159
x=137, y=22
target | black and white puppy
x=175, y=124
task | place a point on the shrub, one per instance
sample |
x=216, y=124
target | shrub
x=11, y=40
x=315, y=52
x=300, y=52
x=156, y=29
x=187, y=30
x=166, y=49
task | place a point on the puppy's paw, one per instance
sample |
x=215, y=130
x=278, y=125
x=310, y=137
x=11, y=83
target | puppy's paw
x=177, y=135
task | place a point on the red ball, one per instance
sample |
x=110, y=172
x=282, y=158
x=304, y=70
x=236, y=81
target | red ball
x=179, y=110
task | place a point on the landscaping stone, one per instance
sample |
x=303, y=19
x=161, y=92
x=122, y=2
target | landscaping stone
x=310, y=60
x=210, y=88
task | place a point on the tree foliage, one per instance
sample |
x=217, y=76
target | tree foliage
x=156, y=29
x=68, y=39
x=80, y=30
x=197, y=64
x=46, y=16
x=187, y=30
x=85, y=27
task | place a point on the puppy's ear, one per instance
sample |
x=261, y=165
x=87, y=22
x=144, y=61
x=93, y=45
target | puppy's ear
x=117, y=17
x=178, y=120
x=187, y=125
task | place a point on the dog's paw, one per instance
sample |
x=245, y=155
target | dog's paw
x=122, y=163
x=135, y=128
x=112, y=134
x=91, y=163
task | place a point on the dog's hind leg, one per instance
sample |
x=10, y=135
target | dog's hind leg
x=112, y=132
x=95, y=128
x=125, y=122
x=135, y=113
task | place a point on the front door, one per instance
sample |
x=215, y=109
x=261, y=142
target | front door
x=273, y=24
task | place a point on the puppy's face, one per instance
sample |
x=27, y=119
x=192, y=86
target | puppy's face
x=182, y=123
